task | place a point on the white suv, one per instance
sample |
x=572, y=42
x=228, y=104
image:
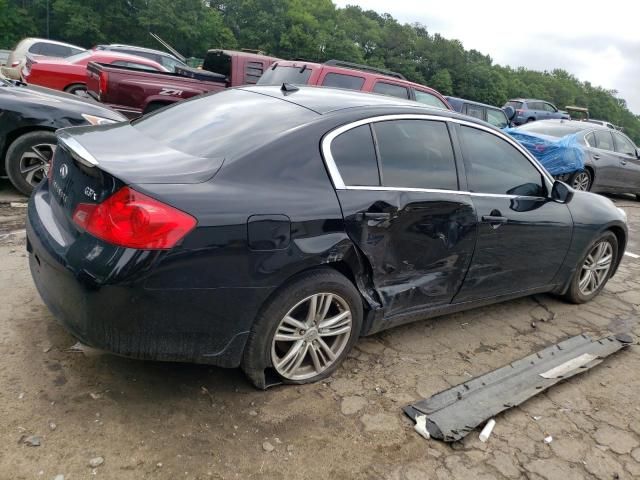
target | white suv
x=36, y=46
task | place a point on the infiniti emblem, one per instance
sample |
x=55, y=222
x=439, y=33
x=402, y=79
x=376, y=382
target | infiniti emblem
x=64, y=170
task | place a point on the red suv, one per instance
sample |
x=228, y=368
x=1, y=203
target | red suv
x=338, y=74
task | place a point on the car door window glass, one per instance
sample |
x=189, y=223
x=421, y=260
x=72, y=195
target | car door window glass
x=590, y=139
x=475, y=111
x=416, y=154
x=429, y=99
x=623, y=145
x=355, y=156
x=390, y=89
x=497, y=118
x=604, y=140
x=495, y=166
x=548, y=107
x=339, y=80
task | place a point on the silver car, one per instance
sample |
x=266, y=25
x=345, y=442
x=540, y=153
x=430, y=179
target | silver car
x=612, y=160
x=36, y=46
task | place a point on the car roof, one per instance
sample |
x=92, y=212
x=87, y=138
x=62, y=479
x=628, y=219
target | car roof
x=135, y=47
x=46, y=40
x=528, y=100
x=574, y=123
x=464, y=100
x=240, y=53
x=325, y=100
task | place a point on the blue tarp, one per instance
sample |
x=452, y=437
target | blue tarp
x=557, y=155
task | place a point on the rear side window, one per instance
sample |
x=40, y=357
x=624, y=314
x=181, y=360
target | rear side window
x=355, y=157
x=416, y=154
x=36, y=48
x=495, y=166
x=475, y=111
x=390, y=89
x=604, y=141
x=53, y=50
x=497, y=118
x=252, y=72
x=339, y=80
x=429, y=99
x=285, y=74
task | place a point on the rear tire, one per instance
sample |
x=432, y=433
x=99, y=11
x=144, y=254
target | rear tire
x=530, y=119
x=28, y=159
x=79, y=89
x=306, y=350
x=581, y=180
x=592, y=266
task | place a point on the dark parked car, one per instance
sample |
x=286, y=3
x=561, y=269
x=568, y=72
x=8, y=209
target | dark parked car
x=612, y=160
x=490, y=114
x=28, y=117
x=530, y=110
x=217, y=231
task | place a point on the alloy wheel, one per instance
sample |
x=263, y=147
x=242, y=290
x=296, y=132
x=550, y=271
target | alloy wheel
x=581, y=181
x=311, y=336
x=596, y=268
x=34, y=163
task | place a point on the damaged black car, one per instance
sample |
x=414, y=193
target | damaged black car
x=269, y=228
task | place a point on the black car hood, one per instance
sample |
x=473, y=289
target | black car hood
x=46, y=99
x=135, y=158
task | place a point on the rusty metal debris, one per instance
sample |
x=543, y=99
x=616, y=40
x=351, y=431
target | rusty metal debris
x=453, y=413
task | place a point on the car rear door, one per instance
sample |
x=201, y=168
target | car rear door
x=629, y=173
x=523, y=235
x=396, y=179
x=604, y=159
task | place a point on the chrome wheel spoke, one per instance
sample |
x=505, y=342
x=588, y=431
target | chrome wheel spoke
x=596, y=268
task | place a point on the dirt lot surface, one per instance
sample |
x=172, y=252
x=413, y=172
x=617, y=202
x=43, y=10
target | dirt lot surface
x=174, y=421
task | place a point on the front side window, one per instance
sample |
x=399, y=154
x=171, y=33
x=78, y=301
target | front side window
x=355, y=156
x=624, y=145
x=590, y=139
x=497, y=118
x=604, y=141
x=430, y=99
x=339, y=80
x=495, y=166
x=549, y=108
x=416, y=154
x=534, y=106
x=384, y=88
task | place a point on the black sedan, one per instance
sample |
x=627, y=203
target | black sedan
x=29, y=117
x=612, y=160
x=270, y=228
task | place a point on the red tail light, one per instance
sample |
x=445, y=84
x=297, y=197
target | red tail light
x=102, y=84
x=15, y=64
x=519, y=111
x=131, y=219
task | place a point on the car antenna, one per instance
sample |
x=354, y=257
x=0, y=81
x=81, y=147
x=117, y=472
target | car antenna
x=288, y=88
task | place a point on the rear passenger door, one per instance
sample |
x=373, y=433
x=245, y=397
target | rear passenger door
x=398, y=187
x=523, y=235
x=604, y=159
x=629, y=172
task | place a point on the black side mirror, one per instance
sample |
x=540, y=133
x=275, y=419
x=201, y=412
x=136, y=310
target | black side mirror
x=510, y=112
x=561, y=192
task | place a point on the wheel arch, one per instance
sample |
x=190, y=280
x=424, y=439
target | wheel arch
x=621, y=236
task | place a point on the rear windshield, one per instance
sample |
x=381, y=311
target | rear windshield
x=513, y=104
x=227, y=125
x=284, y=74
x=553, y=130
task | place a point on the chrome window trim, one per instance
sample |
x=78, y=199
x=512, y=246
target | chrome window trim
x=339, y=184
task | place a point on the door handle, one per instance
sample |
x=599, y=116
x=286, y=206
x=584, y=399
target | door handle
x=596, y=157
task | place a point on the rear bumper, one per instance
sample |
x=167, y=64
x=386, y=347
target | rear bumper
x=123, y=317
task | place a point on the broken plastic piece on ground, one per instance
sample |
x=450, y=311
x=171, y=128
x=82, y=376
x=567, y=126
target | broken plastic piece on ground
x=421, y=426
x=85, y=349
x=548, y=439
x=486, y=431
x=453, y=413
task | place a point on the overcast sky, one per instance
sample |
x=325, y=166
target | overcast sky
x=596, y=41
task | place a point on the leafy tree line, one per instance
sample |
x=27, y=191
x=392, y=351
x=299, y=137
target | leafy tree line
x=309, y=29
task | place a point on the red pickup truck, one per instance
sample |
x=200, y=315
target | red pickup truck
x=134, y=92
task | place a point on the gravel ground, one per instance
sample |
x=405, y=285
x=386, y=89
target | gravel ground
x=100, y=416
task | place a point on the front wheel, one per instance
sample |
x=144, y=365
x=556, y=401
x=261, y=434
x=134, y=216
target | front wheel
x=594, y=269
x=581, y=181
x=28, y=159
x=307, y=329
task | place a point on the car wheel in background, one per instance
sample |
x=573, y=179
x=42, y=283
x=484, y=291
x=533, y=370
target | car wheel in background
x=594, y=269
x=28, y=159
x=79, y=89
x=306, y=329
x=529, y=120
x=581, y=181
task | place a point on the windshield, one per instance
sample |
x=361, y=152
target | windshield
x=552, y=130
x=283, y=74
x=78, y=57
